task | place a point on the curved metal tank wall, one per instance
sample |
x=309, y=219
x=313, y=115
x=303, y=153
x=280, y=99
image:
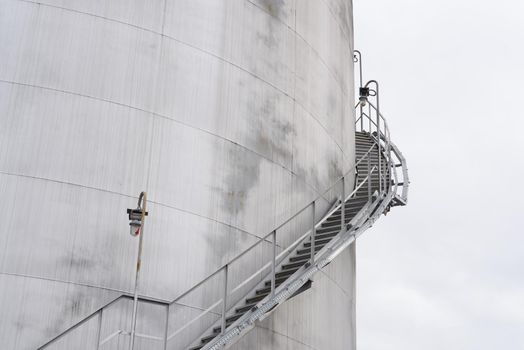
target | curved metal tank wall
x=232, y=114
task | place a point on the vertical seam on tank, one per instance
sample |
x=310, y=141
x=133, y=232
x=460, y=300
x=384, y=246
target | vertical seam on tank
x=164, y=17
x=8, y=231
x=152, y=131
x=294, y=136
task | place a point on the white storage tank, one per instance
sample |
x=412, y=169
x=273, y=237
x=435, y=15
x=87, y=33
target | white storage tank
x=231, y=114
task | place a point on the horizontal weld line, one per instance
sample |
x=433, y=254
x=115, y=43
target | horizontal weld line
x=63, y=281
x=260, y=325
x=198, y=48
x=213, y=55
x=128, y=196
x=334, y=282
x=134, y=197
x=121, y=291
x=317, y=191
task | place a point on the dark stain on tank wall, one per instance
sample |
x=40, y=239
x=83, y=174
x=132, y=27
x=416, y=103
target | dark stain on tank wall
x=244, y=173
x=268, y=37
x=274, y=7
x=332, y=107
x=272, y=41
x=272, y=133
x=334, y=168
x=80, y=262
x=271, y=141
x=269, y=136
x=342, y=9
x=72, y=307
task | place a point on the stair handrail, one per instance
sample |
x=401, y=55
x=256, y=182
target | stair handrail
x=383, y=130
x=143, y=298
x=383, y=134
x=314, y=260
x=278, y=258
x=288, y=250
x=264, y=238
x=386, y=136
x=381, y=205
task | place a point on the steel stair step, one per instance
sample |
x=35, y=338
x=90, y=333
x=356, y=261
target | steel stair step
x=317, y=241
x=327, y=224
x=302, y=251
x=207, y=339
x=303, y=257
x=247, y=307
x=297, y=264
x=278, y=282
x=286, y=272
x=324, y=235
x=329, y=230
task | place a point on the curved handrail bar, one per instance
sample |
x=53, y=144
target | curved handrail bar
x=405, y=175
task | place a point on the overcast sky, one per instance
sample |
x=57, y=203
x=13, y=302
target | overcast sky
x=447, y=271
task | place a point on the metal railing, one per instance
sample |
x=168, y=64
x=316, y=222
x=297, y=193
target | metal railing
x=209, y=302
x=377, y=204
x=224, y=301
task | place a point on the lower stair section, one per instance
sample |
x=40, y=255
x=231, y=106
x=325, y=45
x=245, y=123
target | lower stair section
x=330, y=228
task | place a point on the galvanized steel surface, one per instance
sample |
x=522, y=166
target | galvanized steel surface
x=231, y=114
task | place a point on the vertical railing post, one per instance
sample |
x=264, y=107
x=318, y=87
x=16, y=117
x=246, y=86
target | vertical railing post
x=358, y=57
x=313, y=233
x=99, y=331
x=369, y=119
x=369, y=176
x=273, y=264
x=388, y=150
x=379, y=155
x=343, y=206
x=224, y=300
x=166, y=331
x=361, y=117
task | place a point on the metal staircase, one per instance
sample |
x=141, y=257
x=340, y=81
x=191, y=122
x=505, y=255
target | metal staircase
x=299, y=261
x=219, y=310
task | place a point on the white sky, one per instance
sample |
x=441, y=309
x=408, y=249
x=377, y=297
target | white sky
x=447, y=271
